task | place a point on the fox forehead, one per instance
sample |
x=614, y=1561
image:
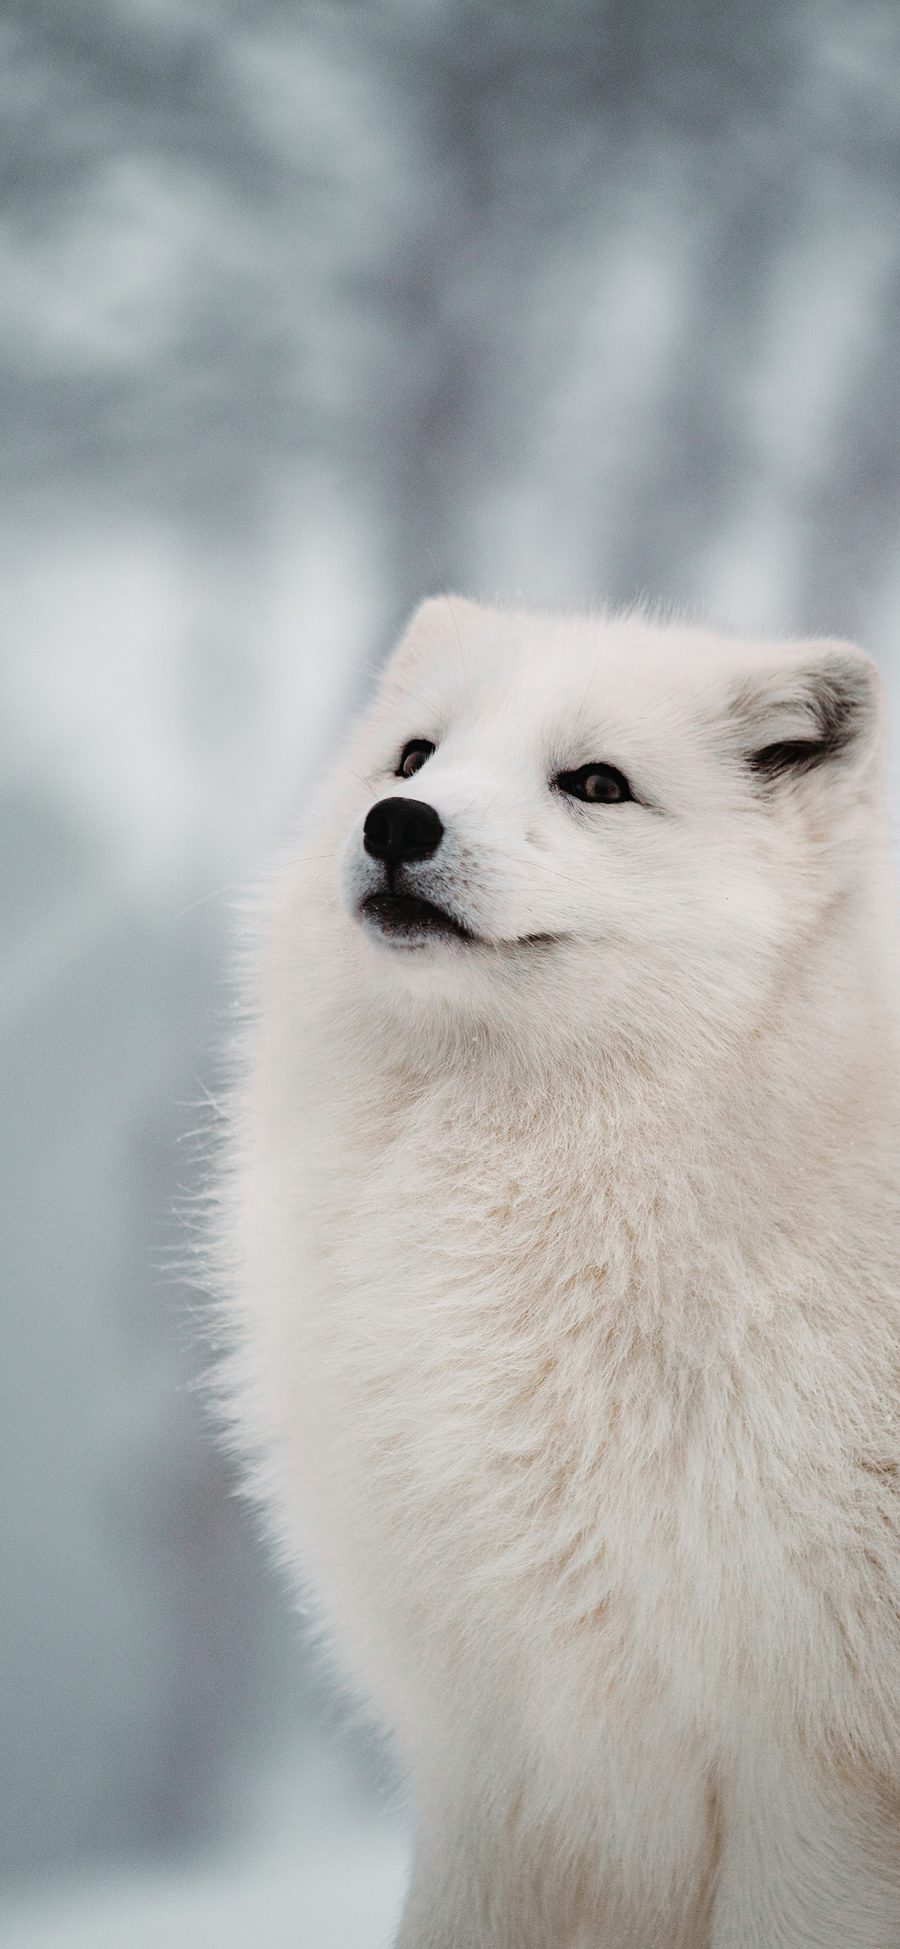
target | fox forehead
x=463, y=660
x=469, y=656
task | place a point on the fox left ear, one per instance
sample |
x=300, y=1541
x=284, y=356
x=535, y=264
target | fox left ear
x=819, y=708
x=437, y=620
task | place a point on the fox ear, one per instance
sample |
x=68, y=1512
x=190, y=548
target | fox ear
x=437, y=620
x=819, y=708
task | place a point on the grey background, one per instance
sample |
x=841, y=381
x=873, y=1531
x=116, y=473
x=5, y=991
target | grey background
x=304, y=312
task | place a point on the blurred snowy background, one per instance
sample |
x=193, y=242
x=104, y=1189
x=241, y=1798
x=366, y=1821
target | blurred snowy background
x=306, y=310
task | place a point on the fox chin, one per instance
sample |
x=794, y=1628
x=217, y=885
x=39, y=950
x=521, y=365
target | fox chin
x=558, y=1250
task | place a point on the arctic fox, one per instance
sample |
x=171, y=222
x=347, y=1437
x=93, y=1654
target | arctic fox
x=562, y=1243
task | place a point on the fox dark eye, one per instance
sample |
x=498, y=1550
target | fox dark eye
x=595, y=784
x=413, y=756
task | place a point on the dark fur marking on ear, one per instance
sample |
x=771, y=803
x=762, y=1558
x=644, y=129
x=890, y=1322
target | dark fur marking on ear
x=792, y=755
x=838, y=704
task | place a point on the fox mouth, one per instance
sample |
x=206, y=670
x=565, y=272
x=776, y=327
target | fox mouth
x=408, y=920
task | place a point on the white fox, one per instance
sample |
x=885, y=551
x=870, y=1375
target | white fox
x=560, y=1248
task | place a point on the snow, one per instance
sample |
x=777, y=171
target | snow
x=317, y=1868
x=339, y=1889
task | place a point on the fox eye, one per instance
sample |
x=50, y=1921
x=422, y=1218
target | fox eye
x=595, y=784
x=413, y=756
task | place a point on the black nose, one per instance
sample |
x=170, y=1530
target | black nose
x=402, y=829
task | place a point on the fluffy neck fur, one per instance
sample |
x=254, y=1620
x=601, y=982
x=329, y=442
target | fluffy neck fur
x=797, y=1112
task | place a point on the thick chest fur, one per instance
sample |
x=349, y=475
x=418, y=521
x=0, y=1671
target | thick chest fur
x=542, y=1411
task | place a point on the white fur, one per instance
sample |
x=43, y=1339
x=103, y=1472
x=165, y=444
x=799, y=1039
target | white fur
x=562, y=1280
